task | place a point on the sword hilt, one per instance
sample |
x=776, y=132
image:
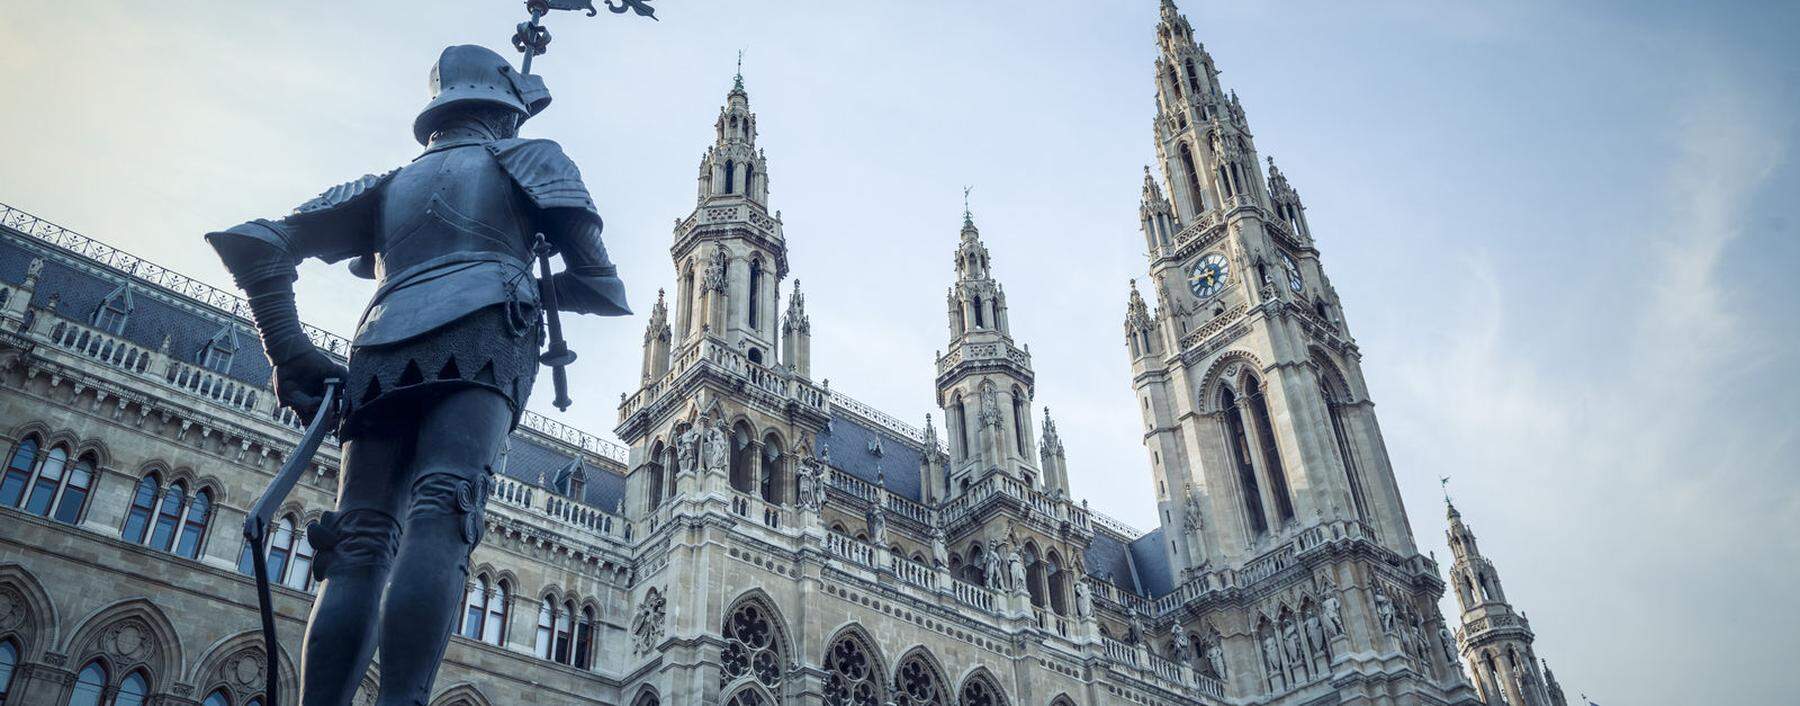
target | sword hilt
x=557, y=355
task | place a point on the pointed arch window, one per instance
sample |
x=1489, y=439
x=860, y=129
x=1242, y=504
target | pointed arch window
x=771, y=483
x=980, y=315
x=753, y=647
x=749, y=179
x=475, y=608
x=90, y=685
x=1352, y=471
x=133, y=690
x=1238, y=445
x=546, y=628
x=962, y=427
x=1193, y=178
x=852, y=676
x=9, y=661
x=58, y=491
x=290, y=556
x=1174, y=83
x=168, y=517
x=916, y=683
x=980, y=692
x=493, y=631
x=18, y=471
x=1271, y=454
x=731, y=172
x=143, y=507
x=1193, y=77
x=219, y=697
x=754, y=316
x=1019, y=423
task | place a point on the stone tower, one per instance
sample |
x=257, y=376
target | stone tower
x=1494, y=640
x=1261, y=435
x=984, y=378
x=721, y=363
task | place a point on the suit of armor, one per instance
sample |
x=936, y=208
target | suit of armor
x=441, y=365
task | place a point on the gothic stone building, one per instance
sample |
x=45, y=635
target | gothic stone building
x=760, y=538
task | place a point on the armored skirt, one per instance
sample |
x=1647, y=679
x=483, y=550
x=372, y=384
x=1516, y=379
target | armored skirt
x=494, y=348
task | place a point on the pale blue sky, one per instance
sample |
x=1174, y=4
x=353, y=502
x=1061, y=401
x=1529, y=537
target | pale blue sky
x=1560, y=230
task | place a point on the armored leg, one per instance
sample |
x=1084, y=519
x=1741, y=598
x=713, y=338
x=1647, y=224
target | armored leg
x=459, y=438
x=354, y=549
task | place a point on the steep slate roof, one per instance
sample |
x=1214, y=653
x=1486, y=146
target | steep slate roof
x=1152, y=563
x=1109, y=559
x=80, y=291
x=848, y=438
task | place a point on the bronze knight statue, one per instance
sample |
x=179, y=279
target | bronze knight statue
x=441, y=364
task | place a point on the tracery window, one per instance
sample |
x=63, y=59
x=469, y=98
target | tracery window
x=730, y=176
x=132, y=691
x=47, y=487
x=917, y=684
x=1019, y=424
x=752, y=647
x=1352, y=471
x=217, y=698
x=1193, y=178
x=1238, y=445
x=753, y=316
x=852, y=677
x=980, y=692
x=1259, y=411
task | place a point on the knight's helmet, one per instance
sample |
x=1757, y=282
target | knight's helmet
x=466, y=75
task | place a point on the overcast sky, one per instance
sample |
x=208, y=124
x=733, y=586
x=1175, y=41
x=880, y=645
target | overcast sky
x=1561, y=232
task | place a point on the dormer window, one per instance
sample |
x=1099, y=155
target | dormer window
x=217, y=353
x=114, y=311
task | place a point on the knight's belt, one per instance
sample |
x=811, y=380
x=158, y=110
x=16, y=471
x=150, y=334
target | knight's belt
x=425, y=296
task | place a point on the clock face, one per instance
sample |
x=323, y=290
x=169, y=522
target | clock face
x=1295, y=282
x=1209, y=275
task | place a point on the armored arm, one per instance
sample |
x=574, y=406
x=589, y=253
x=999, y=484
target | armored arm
x=589, y=282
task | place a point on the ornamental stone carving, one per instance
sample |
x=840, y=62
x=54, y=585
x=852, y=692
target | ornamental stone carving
x=12, y=609
x=1084, y=600
x=1334, y=613
x=1384, y=609
x=647, y=625
x=716, y=446
x=687, y=449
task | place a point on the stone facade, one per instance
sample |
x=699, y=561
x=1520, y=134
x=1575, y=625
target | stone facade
x=761, y=538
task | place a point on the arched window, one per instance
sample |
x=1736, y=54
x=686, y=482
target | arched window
x=1238, y=445
x=730, y=177
x=565, y=632
x=168, y=517
x=980, y=314
x=919, y=684
x=1193, y=178
x=686, y=307
x=979, y=691
x=217, y=698
x=193, y=527
x=18, y=471
x=289, y=555
x=584, y=639
x=1259, y=409
x=1019, y=424
x=1193, y=77
x=1034, y=576
x=852, y=676
x=132, y=691
x=9, y=660
x=143, y=507
x=494, y=632
x=546, y=628
x=1058, y=579
x=742, y=462
x=1174, y=83
x=753, y=647
x=475, y=608
x=90, y=685
x=750, y=180
x=647, y=699
x=756, y=274
x=961, y=420
x=772, y=483
x=49, y=478
x=75, y=491
x=747, y=697
x=1352, y=471
x=653, y=490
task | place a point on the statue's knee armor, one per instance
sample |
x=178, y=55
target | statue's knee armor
x=351, y=539
x=452, y=496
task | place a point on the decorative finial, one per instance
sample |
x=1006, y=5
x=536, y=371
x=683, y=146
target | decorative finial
x=968, y=217
x=737, y=82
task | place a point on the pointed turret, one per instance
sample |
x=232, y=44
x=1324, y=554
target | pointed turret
x=1494, y=639
x=1053, y=459
x=1285, y=201
x=1141, y=338
x=657, y=337
x=1156, y=217
x=796, y=335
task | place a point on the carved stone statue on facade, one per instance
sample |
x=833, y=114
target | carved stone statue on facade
x=1215, y=658
x=687, y=449
x=994, y=573
x=818, y=471
x=1178, y=643
x=1015, y=566
x=1084, y=599
x=1271, y=654
x=1448, y=644
x=716, y=446
x=1290, y=636
x=878, y=524
x=1334, y=612
x=442, y=362
x=940, y=552
x=804, y=481
x=1384, y=609
x=1138, y=632
x=1315, y=635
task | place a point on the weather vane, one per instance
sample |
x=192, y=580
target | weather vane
x=533, y=39
x=1444, y=482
